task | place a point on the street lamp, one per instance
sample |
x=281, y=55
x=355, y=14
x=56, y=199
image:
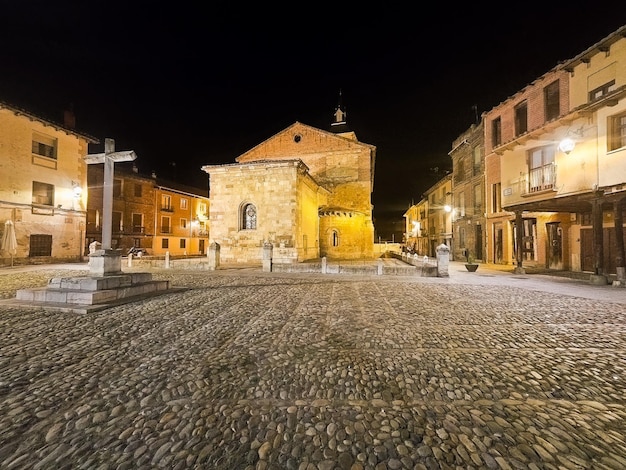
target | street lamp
x=567, y=145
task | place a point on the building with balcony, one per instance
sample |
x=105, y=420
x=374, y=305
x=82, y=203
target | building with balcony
x=439, y=214
x=43, y=186
x=150, y=213
x=468, y=194
x=560, y=147
x=429, y=222
x=416, y=229
x=519, y=165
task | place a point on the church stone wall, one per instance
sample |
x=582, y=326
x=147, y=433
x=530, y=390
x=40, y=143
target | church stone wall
x=281, y=199
x=350, y=240
x=343, y=166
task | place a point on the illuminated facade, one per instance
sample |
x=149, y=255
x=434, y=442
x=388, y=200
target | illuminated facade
x=468, y=194
x=43, y=186
x=560, y=145
x=514, y=130
x=428, y=223
x=149, y=213
x=310, y=192
x=416, y=228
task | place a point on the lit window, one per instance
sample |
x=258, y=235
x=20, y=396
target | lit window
x=617, y=132
x=599, y=92
x=541, y=172
x=166, y=202
x=248, y=217
x=43, y=194
x=183, y=203
x=44, y=146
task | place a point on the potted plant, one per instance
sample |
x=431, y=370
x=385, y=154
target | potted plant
x=471, y=265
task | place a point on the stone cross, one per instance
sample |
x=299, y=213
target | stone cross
x=109, y=158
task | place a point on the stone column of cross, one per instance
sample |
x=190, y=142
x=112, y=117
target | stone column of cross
x=109, y=158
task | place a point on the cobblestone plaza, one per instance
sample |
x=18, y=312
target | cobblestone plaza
x=253, y=370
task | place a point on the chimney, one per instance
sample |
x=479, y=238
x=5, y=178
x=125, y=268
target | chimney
x=154, y=174
x=69, y=118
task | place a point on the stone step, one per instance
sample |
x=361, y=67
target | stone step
x=96, y=283
x=83, y=296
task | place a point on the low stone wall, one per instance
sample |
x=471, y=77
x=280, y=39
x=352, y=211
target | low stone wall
x=427, y=265
x=409, y=267
x=196, y=263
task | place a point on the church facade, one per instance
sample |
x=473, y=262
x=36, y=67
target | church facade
x=305, y=190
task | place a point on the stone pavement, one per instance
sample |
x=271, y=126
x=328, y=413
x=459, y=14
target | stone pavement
x=253, y=370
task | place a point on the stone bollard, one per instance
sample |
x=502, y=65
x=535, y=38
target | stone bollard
x=379, y=267
x=324, y=265
x=94, y=247
x=267, y=257
x=214, y=256
x=130, y=260
x=167, y=260
x=443, y=260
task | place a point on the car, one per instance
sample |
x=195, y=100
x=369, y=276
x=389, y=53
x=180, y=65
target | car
x=137, y=251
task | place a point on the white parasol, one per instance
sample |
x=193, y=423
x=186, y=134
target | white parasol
x=9, y=242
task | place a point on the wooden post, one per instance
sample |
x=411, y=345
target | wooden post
x=598, y=245
x=620, y=265
x=519, y=239
x=598, y=277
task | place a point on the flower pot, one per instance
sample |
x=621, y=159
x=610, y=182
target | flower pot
x=471, y=267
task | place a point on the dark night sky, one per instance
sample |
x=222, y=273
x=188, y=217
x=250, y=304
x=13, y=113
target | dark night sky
x=199, y=85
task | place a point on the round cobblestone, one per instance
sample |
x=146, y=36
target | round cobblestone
x=255, y=370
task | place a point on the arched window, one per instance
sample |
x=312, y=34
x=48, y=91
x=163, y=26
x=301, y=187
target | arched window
x=248, y=217
x=334, y=238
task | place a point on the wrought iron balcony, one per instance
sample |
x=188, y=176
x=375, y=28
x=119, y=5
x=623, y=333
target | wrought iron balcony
x=541, y=179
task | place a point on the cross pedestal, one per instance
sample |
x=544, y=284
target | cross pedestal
x=107, y=285
x=105, y=262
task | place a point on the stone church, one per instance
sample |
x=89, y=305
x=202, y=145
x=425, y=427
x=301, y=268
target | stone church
x=306, y=191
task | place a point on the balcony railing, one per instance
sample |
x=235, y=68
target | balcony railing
x=542, y=178
x=138, y=229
